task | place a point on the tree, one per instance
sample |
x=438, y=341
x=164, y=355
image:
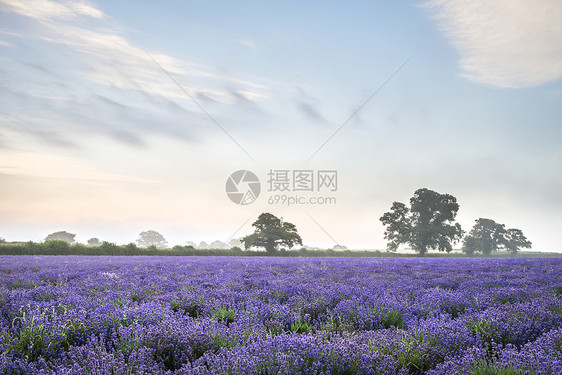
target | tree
x=216, y=244
x=94, y=241
x=270, y=233
x=151, y=238
x=487, y=236
x=429, y=223
x=515, y=240
x=61, y=236
x=399, y=225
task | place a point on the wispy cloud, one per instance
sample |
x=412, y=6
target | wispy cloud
x=110, y=59
x=82, y=52
x=248, y=44
x=308, y=106
x=504, y=43
x=310, y=111
x=46, y=9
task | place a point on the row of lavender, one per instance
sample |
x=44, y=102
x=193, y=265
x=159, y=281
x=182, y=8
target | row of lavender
x=225, y=315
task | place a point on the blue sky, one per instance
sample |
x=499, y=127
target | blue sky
x=97, y=140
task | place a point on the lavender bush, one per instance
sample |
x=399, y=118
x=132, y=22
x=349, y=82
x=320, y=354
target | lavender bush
x=228, y=315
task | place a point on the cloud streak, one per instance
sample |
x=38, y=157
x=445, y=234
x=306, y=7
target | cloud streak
x=310, y=111
x=74, y=50
x=46, y=9
x=504, y=43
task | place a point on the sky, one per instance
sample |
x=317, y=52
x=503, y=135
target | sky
x=118, y=117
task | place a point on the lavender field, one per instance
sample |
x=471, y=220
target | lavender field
x=237, y=315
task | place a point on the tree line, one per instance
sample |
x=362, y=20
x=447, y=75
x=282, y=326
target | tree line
x=146, y=239
x=429, y=223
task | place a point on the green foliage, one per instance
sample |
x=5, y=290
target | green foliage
x=57, y=247
x=33, y=248
x=16, y=284
x=31, y=341
x=224, y=342
x=488, y=369
x=398, y=225
x=299, y=327
x=131, y=246
x=225, y=315
x=270, y=233
x=487, y=236
x=188, y=307
x=108, y=248
x=393, y=318
x=454, y=309
x=515, y=240
x=34, y=340
x=409, y=354
x=488, y=332
x=429, y=223
x=74, y=333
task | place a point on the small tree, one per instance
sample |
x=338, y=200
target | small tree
x=94, y=241
x=270, y=233
x=515, y=240
x=151, y=238
x=216, y=244
x=429, y=223
x=61, y=236
x=399, y=225
x=485, y=236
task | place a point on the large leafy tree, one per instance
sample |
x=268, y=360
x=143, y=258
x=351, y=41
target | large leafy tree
x=398, y=225
x=271, y=232
x=429, y=223
x=515, y=240
x=61, y=236
x=151, y=238
x=487, y=236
